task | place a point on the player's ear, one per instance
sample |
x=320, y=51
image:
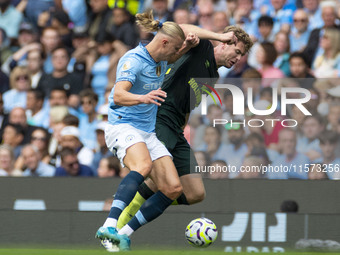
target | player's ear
x=165, y=41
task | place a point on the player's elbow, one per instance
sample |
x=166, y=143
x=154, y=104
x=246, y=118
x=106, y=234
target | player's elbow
x=117, y=98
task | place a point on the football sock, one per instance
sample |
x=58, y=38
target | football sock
x=130, y=210
x=182, y=200
x=150, y=210
x=145, y=191
x=125, y=193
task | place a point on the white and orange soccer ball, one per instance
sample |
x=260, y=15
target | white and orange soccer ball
x=201, y=232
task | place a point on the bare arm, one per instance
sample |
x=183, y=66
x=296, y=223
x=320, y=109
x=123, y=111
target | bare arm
x=21, y=7
x=209, y=35
x=191, y=41
x=123, y=97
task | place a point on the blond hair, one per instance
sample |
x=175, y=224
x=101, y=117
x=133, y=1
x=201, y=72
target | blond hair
x=147, y=21
x=334, y=36
x=18, y=71
x=241, y=36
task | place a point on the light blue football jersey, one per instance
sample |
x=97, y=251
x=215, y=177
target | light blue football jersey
x=139, y=68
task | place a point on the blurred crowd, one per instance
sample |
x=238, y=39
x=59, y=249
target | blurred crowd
x=58, y=63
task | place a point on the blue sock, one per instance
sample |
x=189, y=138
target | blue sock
x=126, y=191
x=150, y=210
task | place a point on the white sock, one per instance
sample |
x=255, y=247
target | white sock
x=110, y=222
x=126, y=230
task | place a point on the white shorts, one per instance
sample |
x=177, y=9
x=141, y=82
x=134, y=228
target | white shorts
x=120, y=137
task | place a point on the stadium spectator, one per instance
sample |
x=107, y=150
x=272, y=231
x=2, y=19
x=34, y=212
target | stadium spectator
x=4, y=81
x=213, y=112
x=57, y=116
x=40, y=139
x=236, y=150
x=282, y=14
x=265, y=34
x=88, y=121
x=300, y=31
x=77, y=12
x=35, y=61
x=3, y=117
x=308, y=142
x=299, y=68
x=7, y=160
x=60, y=21
x=78, y=62
x=282, y=47
x=316, y=172
x=13, y=136
x=220, y=170
x=312, y=49
x=247, y=17
x=161, y=11
x=329, y=162
x=70, y=137
x=327, y=65
x=266, y=56
x=18, y=116
x=99, y=19
x=5, y=50
x=251, y=79
x=181, y=16
x=220, y=21
x=122, y=29
x=36, y=7
x=50, y=39
x=202, y=158
x=252, y=168
x=61, y=78
x=289, y=161
x=101, y=151
x=100, y=65
x=35, y=167
x=70, y=165
x=20, y=82
x=313, y=10
x=36, y=114
x=257, y=147
x=10, y=18
x=333, y=116
x=109, y=167
x=26, y=41
x=213, y=144
x=205, y=14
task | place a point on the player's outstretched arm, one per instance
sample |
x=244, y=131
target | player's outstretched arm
x=229, y=37
x=123, y=97
x=191, y=41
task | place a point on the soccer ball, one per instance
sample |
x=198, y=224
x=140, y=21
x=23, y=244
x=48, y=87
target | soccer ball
x=201, y=232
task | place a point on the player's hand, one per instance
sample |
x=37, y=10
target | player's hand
x=154, y=96
x=228, y=38
x=191, y=41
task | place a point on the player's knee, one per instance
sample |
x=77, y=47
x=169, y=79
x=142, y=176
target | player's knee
x=173, y=191
x=197, y=197
x=144, y=168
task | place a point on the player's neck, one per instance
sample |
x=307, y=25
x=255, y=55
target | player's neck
x=153, y=50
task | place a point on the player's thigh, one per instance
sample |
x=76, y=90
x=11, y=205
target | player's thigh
x=129, y=144
x=193, y=187
x=164, y=175
x=137, y=158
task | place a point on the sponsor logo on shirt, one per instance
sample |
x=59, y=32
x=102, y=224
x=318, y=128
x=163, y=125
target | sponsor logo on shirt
x=152, y=86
